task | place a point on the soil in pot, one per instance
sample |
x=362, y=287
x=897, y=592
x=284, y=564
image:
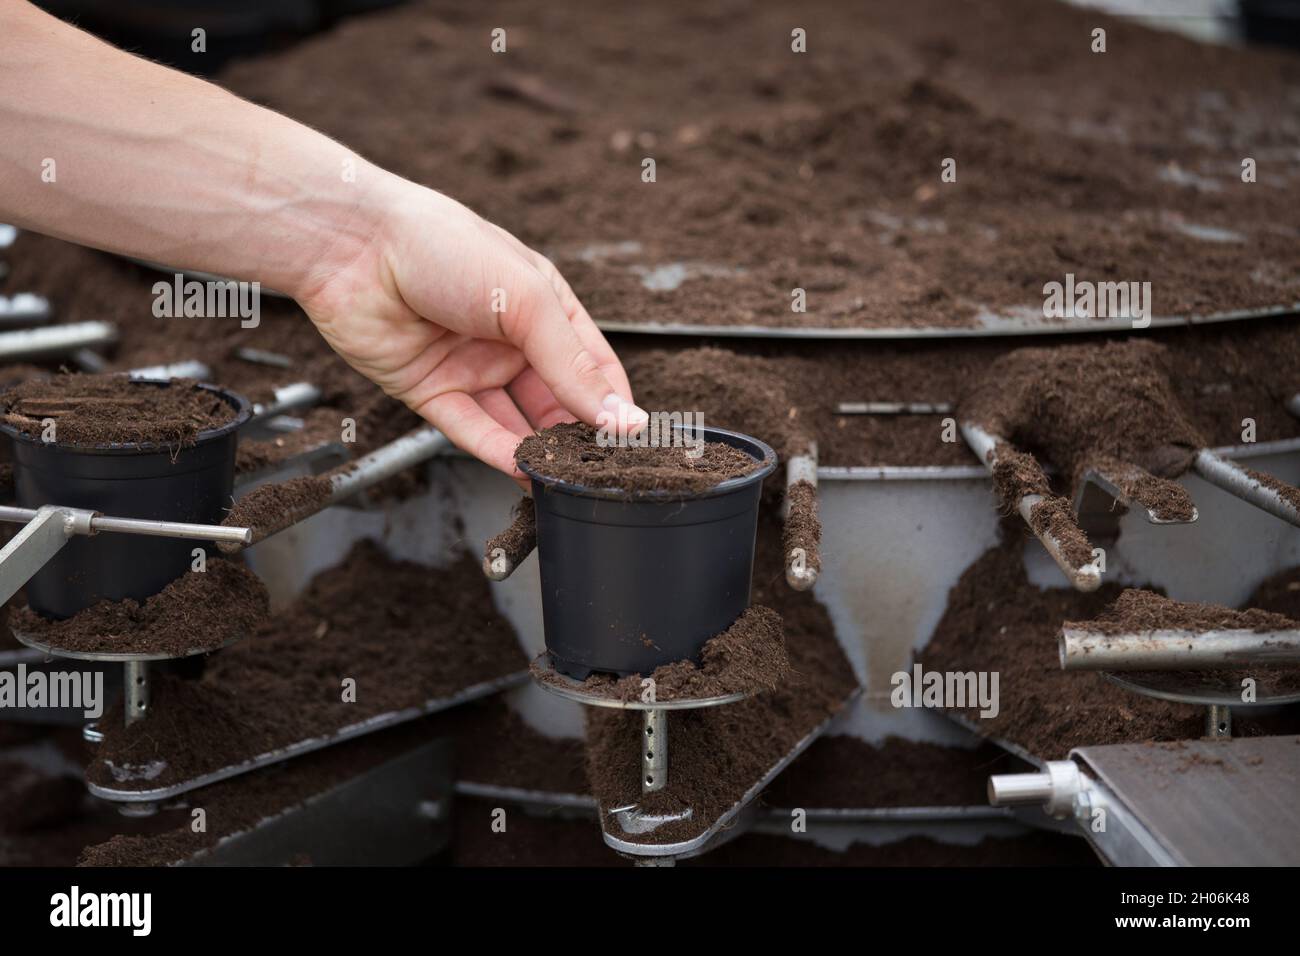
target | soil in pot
x=126, y=448
x=645, y=550
x=97, y=410
x=570, y=452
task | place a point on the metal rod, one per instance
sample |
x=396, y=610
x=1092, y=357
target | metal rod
x=355, y=477
x=54, y=340
x=654, y=750
x=136, y=688
x=1173, y=649
x=801, y=566
x=1005, y=789
x=1086, y=577
x=1237, y=481
x=23, y=309
x=264, y=357
x=287, y=399
x=143, y=526
x=190, y=368
x=893, y=408
x=1218, y=721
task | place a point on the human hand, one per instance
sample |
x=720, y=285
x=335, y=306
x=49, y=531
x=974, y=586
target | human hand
x=477, y=333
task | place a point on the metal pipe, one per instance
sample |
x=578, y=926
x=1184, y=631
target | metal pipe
x=1218, y=721
x=802, y=559
x=1237, y=481
x=136, y=690
x=1174, y=649
x=1086, y=577
x=355, y=477
x=143, y=526
x=24, y=308
x=54, y=340
x=1007, y=789
x=893, y=408
x=654, y=750
x=287, y=398
x=1293, y=404
x=190, y=368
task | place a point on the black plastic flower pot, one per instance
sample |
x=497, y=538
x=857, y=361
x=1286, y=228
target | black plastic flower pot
x=631, y=581
x=148, y=481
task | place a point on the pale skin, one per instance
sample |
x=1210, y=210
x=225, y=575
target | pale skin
x=400, y=280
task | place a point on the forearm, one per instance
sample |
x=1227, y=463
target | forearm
x=106, y=149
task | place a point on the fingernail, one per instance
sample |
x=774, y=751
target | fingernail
x=623, y=411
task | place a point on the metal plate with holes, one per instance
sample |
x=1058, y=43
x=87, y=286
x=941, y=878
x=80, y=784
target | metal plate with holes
x=397, y=814
x=727, y=825
x=359, y=729
x=1210, y=803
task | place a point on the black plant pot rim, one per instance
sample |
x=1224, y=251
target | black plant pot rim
x=243, y=411
x=767, y=464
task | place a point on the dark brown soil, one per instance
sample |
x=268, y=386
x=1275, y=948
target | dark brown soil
x=1076, y=406
x=802, y=527
x=719, y=753
x=495, y=746
x=320, y=425
x=1167, y=500
x=267, y=505
x=1135, y=611
x=199, y=611
x=518, y=540
x=31, y=799
x=1279, y=594
x=1055, y=517
x=569, y=452
x=114, y=410
x=243, y=802
x=403, y=632
x=997, y=621
x=748, y=658
x=822, y=171
x=528, y=840
x=1289, y=492
x=845, y=772
x=769, y=389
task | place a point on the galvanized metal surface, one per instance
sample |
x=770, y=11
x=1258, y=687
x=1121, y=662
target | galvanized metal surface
x=1164, y=649
x=397, y=814
x=1208, y=803
x=987, y=325
x=707, y=838
x=280, y=754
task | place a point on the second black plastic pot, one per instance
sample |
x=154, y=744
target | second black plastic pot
x=125, y=481
x=631, y=582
